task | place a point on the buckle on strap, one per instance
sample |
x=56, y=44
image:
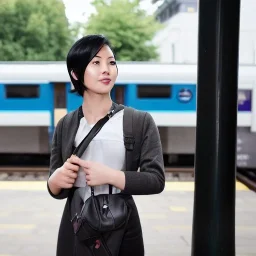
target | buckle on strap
x=111, y=113
x=129, y=142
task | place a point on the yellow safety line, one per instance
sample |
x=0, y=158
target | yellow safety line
x=41, y=186
x=189, y=186
x=153, y=216
x=169, y=227
x=178, y=209
x=23, y=185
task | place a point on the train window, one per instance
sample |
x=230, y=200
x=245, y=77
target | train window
x=154, y=91
x=22, y=91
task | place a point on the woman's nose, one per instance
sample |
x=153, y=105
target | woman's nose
x=105, y=69
x=106, y=72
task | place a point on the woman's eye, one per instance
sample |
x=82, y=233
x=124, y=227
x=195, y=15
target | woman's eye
x=97, y=62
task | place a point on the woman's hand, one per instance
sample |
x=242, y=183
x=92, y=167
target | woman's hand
x=100, y=174
x=65, y=176
x=96, y=173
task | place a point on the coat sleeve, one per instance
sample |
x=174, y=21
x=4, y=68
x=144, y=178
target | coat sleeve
x=56, y=160
x=151, y=178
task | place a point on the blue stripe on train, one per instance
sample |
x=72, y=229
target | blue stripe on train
x=182, y=98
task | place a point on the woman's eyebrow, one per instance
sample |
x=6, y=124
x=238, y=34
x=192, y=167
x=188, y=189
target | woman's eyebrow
x=108, y=57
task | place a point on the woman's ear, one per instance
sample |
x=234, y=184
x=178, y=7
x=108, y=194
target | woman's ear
x=73, y=75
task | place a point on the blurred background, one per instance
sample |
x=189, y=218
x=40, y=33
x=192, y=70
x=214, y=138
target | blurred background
x=156, y=45
x=146, y=30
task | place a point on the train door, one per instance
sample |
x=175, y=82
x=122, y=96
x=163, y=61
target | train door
x=64, y=100
x=60, y=101
x=118, y=94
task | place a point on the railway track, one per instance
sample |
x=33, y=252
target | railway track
x=25, y=169
x=248, y=178
x=33, y=172
x=28, y=173
x=36, y=169
x=179, y=170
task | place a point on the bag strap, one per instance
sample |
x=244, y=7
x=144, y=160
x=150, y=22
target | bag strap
x=79, y=150
x=129, y=138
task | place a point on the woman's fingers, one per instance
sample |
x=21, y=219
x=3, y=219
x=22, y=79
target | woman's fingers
x=72, y=167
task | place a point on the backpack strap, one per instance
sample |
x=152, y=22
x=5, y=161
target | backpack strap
x=129, y=138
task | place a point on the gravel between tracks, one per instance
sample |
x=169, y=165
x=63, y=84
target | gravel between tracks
x=16, y=176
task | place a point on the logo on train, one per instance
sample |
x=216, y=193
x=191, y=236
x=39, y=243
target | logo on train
x=185, y=95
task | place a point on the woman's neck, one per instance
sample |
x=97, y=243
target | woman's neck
x=95, y=106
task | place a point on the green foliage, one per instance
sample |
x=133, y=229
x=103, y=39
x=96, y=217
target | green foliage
x=33, y=30
x=129, y=29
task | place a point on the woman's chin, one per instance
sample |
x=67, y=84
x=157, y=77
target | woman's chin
x=101, y=91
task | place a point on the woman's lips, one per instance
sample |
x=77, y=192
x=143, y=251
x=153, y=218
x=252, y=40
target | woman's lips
x=105, y=81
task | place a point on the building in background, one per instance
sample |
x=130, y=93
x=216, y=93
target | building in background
x=169, y=8
x=178, y=41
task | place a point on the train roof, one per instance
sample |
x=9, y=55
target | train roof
x=128, y=72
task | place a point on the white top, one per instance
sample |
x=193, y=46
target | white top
x=107, y=147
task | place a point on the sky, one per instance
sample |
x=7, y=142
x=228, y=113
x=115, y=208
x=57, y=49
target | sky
x=80, y=10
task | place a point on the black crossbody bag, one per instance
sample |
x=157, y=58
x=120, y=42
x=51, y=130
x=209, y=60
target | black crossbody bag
x=104, y=212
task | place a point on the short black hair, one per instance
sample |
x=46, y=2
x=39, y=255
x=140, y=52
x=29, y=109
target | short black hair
x=80, y=55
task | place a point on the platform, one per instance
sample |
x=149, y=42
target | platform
x=29, y=220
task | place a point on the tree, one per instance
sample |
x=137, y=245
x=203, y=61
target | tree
x=129, y=29
x=33, y=30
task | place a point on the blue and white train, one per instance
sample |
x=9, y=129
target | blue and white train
x=34, y=95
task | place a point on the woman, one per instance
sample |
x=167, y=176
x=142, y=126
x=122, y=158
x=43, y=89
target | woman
x=93, y=71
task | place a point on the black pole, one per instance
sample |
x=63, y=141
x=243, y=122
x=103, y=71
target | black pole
x=215, y=165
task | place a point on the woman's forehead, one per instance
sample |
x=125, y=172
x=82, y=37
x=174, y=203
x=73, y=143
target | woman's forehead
x=105, y=52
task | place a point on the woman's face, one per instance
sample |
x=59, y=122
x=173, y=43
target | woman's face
x=101, y=73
